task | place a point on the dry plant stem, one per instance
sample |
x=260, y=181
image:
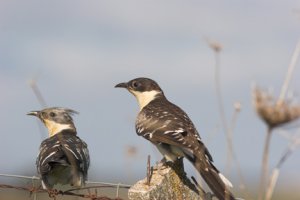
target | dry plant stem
x=272, y=184
x=265, y=164
x=275, y=172
x=148, y=171
x=231, y=154
x=38, y=93
x=289, y=74
x=222, y=110
x=246, y=193
x=41, y=100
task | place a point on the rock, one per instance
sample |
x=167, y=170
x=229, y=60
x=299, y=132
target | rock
x=167, y=183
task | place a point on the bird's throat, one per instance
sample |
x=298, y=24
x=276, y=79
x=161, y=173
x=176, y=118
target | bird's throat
x=54, y=128
x=144, y=98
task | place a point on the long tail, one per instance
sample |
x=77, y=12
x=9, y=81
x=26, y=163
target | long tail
x=218, y=184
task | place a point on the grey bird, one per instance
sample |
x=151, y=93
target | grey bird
x=170, y=129
x=63, y=157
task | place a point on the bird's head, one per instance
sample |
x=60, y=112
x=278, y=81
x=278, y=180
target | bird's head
x=144, y=89
x=56, y=119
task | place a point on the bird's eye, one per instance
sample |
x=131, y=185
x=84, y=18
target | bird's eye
x=52, y=114
x=135, y=84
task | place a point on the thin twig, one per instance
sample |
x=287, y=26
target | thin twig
x=148, y=171
x=217, y=49
x=275, y=173
x=265, y=164
x=41, y=100
x=289, y=74
x=237, y=110
x=37, y=93
x=272, y=183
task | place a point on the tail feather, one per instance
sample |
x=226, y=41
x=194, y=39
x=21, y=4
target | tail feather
x=225, y=180
x=215, y=180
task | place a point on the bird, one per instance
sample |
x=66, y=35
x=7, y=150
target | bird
x=170, y=129
x=63, y=157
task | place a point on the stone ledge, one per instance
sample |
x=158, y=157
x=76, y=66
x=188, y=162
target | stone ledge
x=167, y=183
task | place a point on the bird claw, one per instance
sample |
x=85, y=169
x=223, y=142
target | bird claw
x=52, y=193
x=163, y=164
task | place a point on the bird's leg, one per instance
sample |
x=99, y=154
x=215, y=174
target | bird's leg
x=161, y=165
x=178, y=166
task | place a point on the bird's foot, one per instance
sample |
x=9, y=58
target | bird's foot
x=52, y=193
x=163, y=164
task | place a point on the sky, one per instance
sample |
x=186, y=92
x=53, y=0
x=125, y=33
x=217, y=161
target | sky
x=77, y=51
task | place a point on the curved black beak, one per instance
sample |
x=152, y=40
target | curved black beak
x=34, y=113
x=121, y=85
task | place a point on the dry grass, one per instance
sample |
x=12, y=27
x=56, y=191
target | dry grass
x=275, y=112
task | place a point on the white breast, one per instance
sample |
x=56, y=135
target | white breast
x=144, y=98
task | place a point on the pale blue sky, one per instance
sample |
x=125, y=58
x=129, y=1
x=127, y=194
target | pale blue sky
x=78, y=51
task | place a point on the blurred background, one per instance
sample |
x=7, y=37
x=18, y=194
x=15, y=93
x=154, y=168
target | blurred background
x=75, y=52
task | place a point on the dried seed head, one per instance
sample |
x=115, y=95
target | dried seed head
x=237, y=106
x=216, y=46
x=273, y=113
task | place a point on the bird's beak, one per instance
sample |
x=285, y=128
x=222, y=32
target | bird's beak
x=34, y=113
x=121, y=85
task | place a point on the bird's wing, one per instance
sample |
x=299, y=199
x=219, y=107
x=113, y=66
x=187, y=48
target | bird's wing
x=63, y=149
x=77, y=152
x=162, y=122
x=50, y=152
